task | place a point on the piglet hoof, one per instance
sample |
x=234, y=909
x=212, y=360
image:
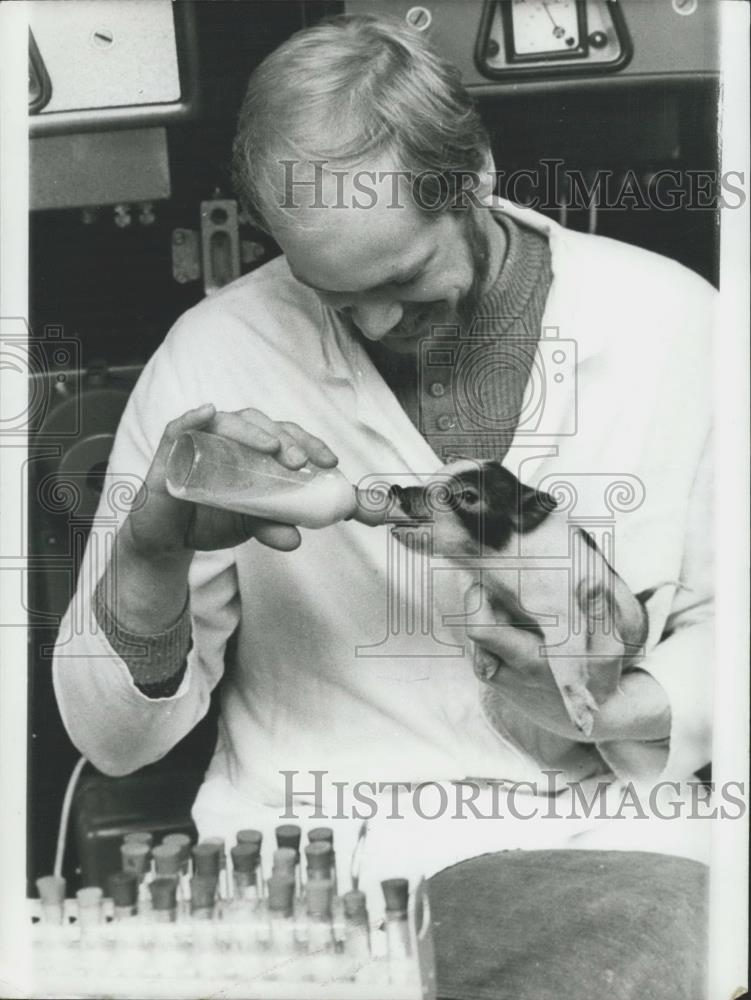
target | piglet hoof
x=581, y=707
x=486, y=665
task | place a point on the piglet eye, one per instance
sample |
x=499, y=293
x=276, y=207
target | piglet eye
x=470, y=496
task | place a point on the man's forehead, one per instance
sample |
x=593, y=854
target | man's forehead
x=353, y=230
x=374, y=183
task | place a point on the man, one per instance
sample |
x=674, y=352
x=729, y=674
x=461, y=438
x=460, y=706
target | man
x=359, y=151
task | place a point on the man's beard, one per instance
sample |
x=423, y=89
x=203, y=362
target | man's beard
x=420, y=317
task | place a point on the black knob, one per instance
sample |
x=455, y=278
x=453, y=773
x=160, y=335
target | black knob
x=598, y=39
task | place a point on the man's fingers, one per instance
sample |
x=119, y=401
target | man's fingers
x=282, y=537
x=200, y=417
x=254, y=434
x=493, y=629
x=318, y=450
x=291, y=445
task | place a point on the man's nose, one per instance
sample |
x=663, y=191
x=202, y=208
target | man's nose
x=376, y=319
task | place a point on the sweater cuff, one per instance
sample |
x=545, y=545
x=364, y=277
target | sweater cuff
x=156, y=662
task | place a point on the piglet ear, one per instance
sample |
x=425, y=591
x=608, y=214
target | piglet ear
x=534, y=506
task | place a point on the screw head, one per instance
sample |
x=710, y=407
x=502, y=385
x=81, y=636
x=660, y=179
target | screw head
x=419, y=18
x=102, y=38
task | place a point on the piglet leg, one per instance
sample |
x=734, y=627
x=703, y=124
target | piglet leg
x=572, y=676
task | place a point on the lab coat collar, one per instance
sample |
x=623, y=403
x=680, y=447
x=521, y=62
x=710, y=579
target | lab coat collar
x=577, y=268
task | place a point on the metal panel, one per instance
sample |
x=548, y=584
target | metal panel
x=99, y=168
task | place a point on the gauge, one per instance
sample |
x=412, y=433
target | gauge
x=545, y=29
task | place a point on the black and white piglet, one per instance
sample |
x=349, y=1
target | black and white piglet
x=545, y=571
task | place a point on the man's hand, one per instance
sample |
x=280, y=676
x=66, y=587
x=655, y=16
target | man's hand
x=154, y=549
x=161, y=527
x=510, y=659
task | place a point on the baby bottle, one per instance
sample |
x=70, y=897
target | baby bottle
x=213, y=470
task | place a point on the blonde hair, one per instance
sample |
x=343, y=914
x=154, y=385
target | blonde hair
x=352, y=87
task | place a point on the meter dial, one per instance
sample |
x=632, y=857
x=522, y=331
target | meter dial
x=544, y=29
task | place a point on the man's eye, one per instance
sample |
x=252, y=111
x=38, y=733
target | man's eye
x=470, y=496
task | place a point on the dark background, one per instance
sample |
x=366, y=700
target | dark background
x=113, y=290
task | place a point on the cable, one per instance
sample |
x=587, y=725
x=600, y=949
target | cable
x=356, y=863
x=65, y=814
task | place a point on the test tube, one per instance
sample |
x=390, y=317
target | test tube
x=245, y=860
x=325, y=835
x=164, y=899
x=168, y=861
x=357, y=930
x=52, y=895
x=319, y=861
x=203, y=892
x=398, y=943
x=183, y=841
x=218, y=843
x=396, y=895
x=53, y=930
x=91, y=923
x=122, y=888
x=320, y=868
x=202, y=897
x=136, y=857
x=165, y=954
x=318, y=897
x=288, y=836
x=281, y=895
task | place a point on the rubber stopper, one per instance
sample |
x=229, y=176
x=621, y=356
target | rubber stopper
x=250, y=837
x=245, y=857
x=184, y=843
x=320, y=858
x=319, y=833
x=135, y=857
x=396, y=895
x=163, y=893
x=218, y=843
x=355, y=905
x=51, y=889
x=288, y=835
x=139, y=837
x=168, y=859
x=284, y=861
x=318, y=898
x=206, y=860
x=182, y=839
x=90, y=895
x=202, y=892
x=122, y=888
x=281, y=889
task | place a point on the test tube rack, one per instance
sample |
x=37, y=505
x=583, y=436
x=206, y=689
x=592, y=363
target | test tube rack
x=190, y=959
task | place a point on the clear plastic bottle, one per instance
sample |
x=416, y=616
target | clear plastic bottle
x=213, y=470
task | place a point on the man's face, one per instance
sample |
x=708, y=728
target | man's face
x=390, y=268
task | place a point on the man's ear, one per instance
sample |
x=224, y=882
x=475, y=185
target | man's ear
x=532, y=509
x=487, y=175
